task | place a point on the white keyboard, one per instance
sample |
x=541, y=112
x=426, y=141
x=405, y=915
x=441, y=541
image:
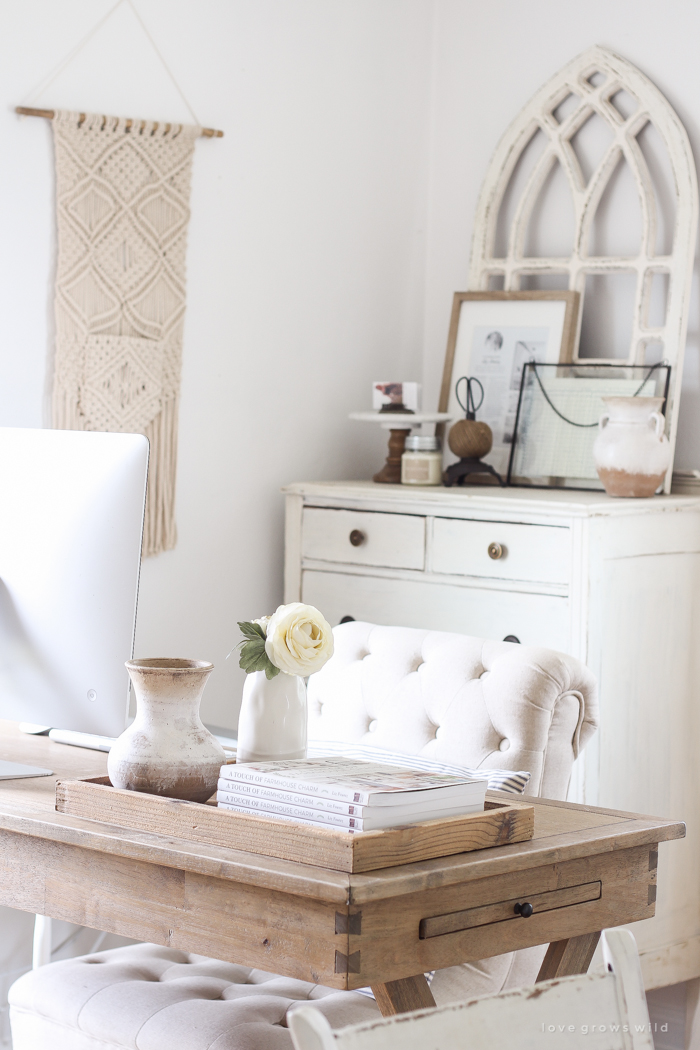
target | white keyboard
x=95, y=742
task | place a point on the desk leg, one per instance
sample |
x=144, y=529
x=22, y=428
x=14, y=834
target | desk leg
x=42, y=941
x=400, y=997
x=568, y=957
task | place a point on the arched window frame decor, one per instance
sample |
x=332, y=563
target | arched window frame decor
x=594, y=93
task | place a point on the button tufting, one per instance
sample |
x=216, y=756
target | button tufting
x=484, y=674
x=504, y=745
x=372, y=726
x=438, y=731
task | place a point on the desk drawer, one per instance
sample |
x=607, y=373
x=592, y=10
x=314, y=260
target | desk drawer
x=395, y=541
x=502, y=550
x=510, y=910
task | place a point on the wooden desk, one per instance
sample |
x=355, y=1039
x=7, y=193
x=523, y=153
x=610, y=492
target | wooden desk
x=585, y=869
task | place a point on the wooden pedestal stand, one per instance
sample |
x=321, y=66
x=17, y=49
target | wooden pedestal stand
x=398, y=426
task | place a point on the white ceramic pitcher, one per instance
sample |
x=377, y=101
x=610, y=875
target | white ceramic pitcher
x=272, y=724
x=631, y=452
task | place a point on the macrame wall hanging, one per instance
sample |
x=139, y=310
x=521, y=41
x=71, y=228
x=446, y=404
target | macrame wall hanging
x=122, y=202
x=122, y=197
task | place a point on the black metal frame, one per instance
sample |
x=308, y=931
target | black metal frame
x=644, y=371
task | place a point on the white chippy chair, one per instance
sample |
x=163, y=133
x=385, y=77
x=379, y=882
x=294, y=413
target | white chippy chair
x=454, y=699
x=601, y=1011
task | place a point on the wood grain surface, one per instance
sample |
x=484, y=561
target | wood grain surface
x=341, y=929
x=502, y=823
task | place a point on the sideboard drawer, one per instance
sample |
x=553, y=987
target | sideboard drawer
x=534, y=619
x=396, y=541
x=502, y=550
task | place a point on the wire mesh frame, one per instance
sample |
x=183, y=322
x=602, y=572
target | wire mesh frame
x=596, y=370
x=594, y=78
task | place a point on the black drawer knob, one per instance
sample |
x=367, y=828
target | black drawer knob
x=512, y=638
x=525, y=909
x=357, y=538
x=348, y=619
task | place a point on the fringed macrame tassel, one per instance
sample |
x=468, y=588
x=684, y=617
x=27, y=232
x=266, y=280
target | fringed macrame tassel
x=160, y=530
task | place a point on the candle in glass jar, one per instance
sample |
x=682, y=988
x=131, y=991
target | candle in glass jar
x=421, y=462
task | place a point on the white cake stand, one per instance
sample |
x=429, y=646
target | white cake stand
x=398, y=424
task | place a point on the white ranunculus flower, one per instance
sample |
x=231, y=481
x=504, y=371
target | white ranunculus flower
x=299, y=639
x=263, y=622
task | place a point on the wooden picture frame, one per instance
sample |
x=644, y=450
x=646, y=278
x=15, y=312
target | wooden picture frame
x=551, y=316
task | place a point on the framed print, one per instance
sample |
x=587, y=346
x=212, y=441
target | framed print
x=492, y=335
x=557, y=418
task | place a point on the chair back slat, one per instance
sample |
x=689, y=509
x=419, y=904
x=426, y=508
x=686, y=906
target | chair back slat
x=601, y=1011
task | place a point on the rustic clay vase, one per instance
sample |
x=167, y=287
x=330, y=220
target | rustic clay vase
x=166, y=750
x=631, y=452
x=273, y=720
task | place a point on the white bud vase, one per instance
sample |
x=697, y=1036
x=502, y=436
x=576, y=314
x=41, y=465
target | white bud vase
x=166, y=750
x=273, y=721
x=632, y=452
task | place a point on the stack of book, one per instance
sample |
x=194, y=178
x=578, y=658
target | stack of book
x=346, y=793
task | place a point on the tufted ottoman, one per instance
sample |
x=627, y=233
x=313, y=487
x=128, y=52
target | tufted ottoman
x=151, y=998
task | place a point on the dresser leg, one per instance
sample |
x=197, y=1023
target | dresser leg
x=568, y=957
x=400, y=997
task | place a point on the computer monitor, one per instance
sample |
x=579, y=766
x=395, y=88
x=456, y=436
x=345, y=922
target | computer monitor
x=71, y=528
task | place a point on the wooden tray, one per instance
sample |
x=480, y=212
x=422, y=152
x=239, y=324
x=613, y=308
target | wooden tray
x=500, y=824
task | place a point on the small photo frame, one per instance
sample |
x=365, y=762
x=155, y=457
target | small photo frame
x=492, y=335
x=385, y=392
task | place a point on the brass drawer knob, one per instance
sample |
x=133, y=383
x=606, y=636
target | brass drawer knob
x=525, y=909
x=496, y=551
x=357, y=538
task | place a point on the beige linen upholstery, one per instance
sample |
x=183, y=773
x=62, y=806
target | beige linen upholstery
x=154, y=998
x=448, y=697
x=456, y=699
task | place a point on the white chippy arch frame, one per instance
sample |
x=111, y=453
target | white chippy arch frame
x=614, y=74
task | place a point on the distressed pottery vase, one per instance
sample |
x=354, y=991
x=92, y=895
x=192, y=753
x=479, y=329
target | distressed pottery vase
x=166, y=750
x=631, y=452
x=273, y=722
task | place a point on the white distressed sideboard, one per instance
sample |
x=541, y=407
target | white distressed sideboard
x=613, y=582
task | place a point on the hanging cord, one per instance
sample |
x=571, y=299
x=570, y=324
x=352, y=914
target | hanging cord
x=470, y=408
x=165, y=65
x=51, y=76
x=572, y=422
x=57, y=70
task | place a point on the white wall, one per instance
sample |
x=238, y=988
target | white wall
x=305, y=262
x=305, y=272
x=489, y=59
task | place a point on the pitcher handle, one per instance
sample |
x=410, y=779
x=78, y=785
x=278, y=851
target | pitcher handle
x=659, y=423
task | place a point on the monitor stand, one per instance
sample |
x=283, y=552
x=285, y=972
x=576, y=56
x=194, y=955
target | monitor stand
x=16, y=770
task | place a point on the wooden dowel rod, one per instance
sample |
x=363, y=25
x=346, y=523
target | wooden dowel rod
x=48, y=114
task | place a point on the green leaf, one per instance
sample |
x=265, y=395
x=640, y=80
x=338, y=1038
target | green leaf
x=251, y=630
x=254, y=658
x=252, y=652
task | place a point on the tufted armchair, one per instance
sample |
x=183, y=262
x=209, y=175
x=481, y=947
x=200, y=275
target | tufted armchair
x=460, y=700
x=455, y=699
